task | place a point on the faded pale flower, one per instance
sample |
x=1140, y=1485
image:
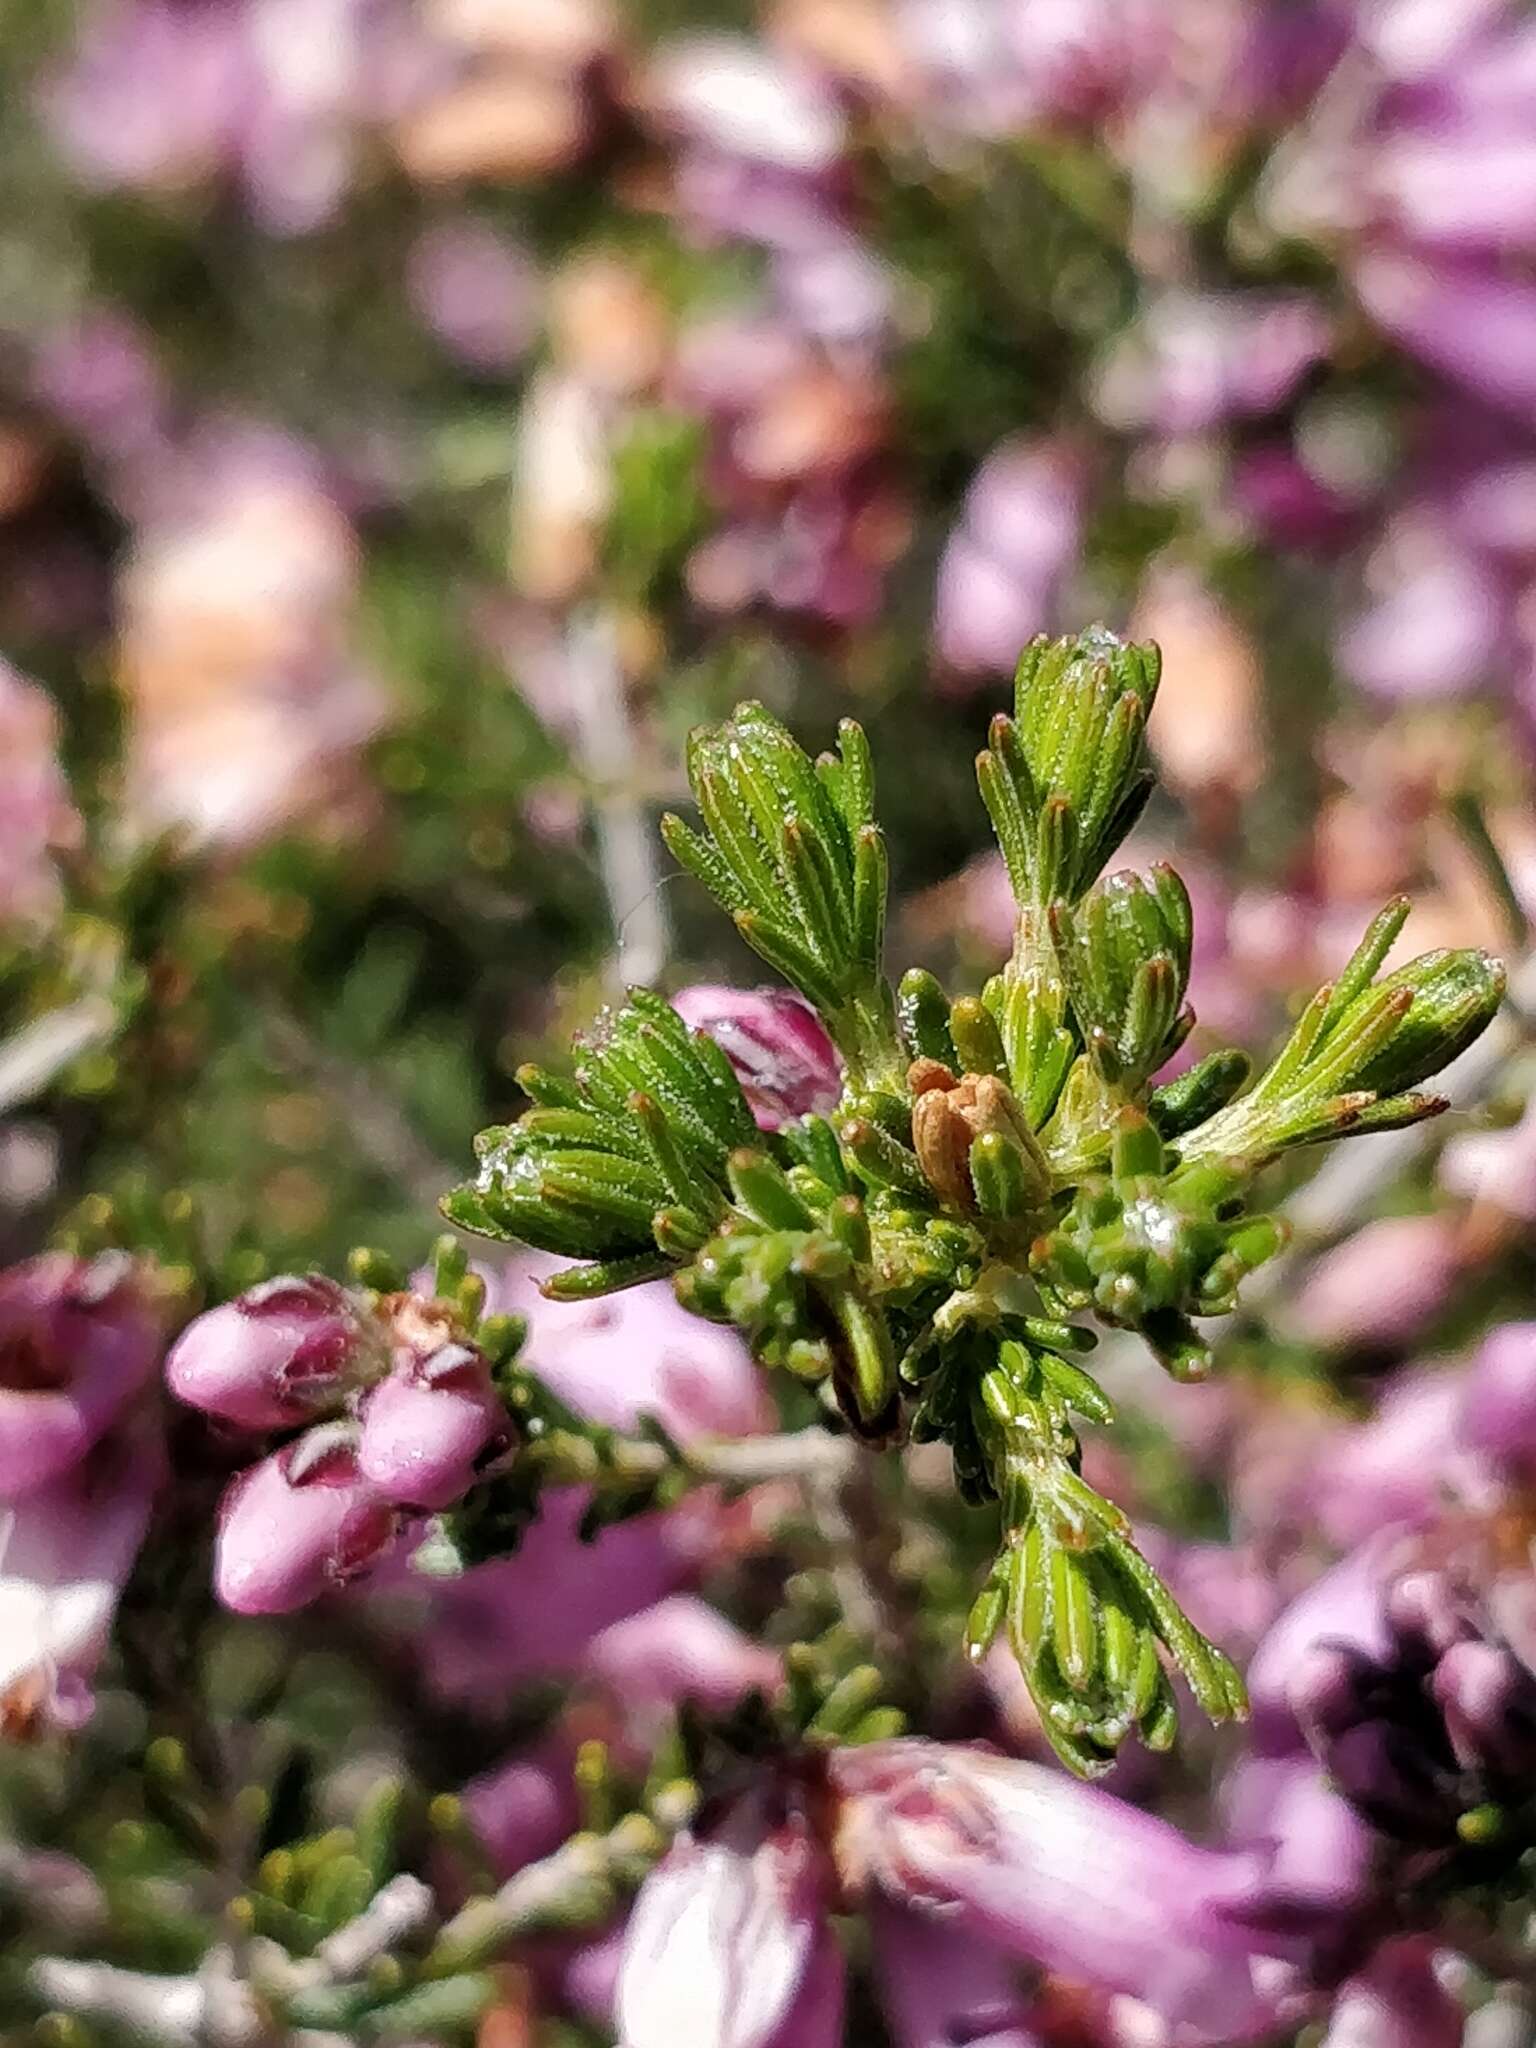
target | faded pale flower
x=66, y=1550
x=729, y=1946
x=37, y=818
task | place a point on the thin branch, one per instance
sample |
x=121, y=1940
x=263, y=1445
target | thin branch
x=40, y=1051
x=626, y=842
x=212, y=2009
x=399, y=1909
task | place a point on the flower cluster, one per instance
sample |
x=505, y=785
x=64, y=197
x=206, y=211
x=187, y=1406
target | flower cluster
x=388, y=1410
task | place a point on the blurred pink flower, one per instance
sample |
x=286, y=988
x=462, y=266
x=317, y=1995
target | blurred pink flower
x=938, y=1984
x=1018, y=534
x=1397, y=2001
x=77, y=1343
x=1496, y=1412
x=1396, y=1468
x=1382, y=1285
x=1497, y=1167
x=477, y=290
x=1195, y=360
x=681, y=1649
x=633, y=1354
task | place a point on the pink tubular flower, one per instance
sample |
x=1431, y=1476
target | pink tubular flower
x=66, y=1550
x=77, y=1342
x=729, y=1946
x=784, y=1060
x=1063, y=1874
x=297, y=1524
x=279, y=1354
x=428, y=1428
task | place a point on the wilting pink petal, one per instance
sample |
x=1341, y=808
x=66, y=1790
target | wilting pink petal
x=784, y=1060
x=298, y=1524
x=66, y=1550
x=729, y=1946
x=77, y=1342
x=1042, y=1866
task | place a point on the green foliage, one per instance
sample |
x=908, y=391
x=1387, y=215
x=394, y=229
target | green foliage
x=995, y=1165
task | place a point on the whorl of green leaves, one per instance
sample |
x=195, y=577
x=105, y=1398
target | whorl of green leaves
x=792, y=851
x=1064, y=779
x=1359, y=1050
x=996, y=1165
x=625, y=1165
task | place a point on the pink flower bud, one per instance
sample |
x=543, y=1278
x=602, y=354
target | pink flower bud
x=729, y=1946
x=784, y=1060
x=279, y=1354
x=297, y=1524
x=428, y=1428
x=77, y=1342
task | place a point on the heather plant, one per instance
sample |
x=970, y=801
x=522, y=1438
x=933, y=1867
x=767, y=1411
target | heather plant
x=909, y=1509
x=993, y=1165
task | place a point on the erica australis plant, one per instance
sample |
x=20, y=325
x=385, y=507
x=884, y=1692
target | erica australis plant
x=924, y=1245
